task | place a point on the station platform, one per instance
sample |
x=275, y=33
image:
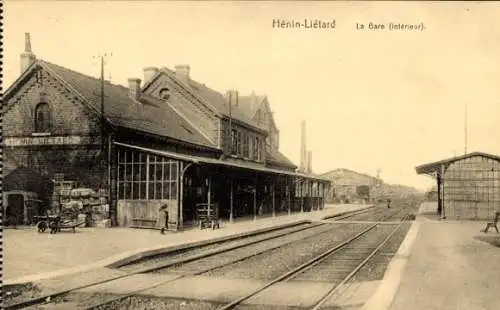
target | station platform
x=31, y=256
x=442, y=265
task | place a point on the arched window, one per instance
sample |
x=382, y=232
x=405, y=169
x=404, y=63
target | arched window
x=164, y=94
x=42, y=117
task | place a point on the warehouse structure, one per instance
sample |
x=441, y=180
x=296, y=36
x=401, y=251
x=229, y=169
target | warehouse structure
x=468, y=186
x=167, y=140
x=351, y=186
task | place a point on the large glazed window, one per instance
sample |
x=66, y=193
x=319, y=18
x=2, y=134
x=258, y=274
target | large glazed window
x=143, y=176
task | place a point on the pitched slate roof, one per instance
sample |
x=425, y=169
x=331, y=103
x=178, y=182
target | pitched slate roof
x=147, y=114
x=275, y=156
x=250, y=104
x=215, y=99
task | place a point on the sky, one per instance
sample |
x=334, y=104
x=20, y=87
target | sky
x=371, y=99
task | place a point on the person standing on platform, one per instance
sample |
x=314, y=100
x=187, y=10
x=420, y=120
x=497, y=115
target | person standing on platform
x=164, y=209
x=388, y=203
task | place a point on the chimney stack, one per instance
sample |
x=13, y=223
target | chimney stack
x=303, y=150
x=149, y=72
x=182, y=72
x=232, y=97
x=27, y=58
x=134, y=88
x=309, y=162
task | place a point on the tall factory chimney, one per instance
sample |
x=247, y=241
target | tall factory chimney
x=303, y=150
x=309, y=162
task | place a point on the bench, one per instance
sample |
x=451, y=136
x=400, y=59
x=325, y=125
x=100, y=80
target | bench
x=209, y=221
x=207, y=215
x=492, y=224
x=143, y=223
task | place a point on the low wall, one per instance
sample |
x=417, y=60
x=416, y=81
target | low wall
x=145, y=209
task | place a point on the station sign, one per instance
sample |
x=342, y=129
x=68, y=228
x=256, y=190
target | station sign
x=49, y=140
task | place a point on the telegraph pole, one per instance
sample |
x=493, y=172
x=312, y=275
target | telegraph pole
x=465, y=129
x=104, y=157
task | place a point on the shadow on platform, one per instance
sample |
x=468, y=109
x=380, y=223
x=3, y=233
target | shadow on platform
x=493, y=240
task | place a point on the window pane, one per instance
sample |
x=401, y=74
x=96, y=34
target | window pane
x=151, y=190
x=143, y=172
x=173, y=190
x=173, y=171
x=121, y=172
x=135, y=190
x=142, y=193
x=166, y=190
x=159, y=172
x=152, y=175
x=166, y=175
x=158, y=187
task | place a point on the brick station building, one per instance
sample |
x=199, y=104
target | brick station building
x=164, y=140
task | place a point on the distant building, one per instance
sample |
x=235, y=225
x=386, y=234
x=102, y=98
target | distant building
x=348, y=186
x=468, y=186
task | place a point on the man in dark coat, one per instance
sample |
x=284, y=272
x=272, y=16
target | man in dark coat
x=164, y=209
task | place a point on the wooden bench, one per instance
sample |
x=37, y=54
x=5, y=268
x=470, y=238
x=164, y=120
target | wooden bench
x=144, y=223
x=492, y=224
x=209, y=221
x=207, y=215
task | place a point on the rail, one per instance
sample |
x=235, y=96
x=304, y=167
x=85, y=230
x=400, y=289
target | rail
x=183, y=260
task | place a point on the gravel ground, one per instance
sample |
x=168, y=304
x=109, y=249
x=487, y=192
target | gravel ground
x=147, y=303
x=375, y=268
x=336, y=266
x=19, y=292
x=274, y=263
x=154, y=260
x=228, y=258
x=268, y=307
x=83, y=299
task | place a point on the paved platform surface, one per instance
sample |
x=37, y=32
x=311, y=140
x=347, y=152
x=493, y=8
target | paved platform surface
x=442, y=265
x=31, y=256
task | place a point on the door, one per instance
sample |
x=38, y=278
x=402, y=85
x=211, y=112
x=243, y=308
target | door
x=15, y=209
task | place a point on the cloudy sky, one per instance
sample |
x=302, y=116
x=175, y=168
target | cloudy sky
x=372, y=99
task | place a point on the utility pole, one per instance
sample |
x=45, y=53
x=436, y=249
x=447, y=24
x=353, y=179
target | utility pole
x=465, y=129
x=104, y=157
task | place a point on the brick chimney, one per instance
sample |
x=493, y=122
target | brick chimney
x=309, y=162
x=27, y=58
x=303, y=149
x=232, y=96
x=182, y=72
x=134, y=88
x=149, y=72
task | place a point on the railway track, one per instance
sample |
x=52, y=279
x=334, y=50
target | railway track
x=352, y=254
x=212, y=261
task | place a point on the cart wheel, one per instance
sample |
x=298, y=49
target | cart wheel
x=41, y=226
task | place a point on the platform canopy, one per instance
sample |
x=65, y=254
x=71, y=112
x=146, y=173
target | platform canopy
x=433, y=168
x=214, y=161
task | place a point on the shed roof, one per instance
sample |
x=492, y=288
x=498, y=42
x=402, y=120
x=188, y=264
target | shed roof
x=433, y=167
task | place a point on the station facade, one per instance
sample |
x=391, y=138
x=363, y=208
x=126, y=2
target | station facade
x=166, y=140
x=468, y=186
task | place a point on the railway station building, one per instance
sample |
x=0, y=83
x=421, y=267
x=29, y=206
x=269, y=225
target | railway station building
x=165, y=140
x=468, y=186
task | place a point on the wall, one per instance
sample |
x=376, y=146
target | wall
x=68, y=115
x=145, y=209
x=225, y=140
x=191, y=108
x=472, y=188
